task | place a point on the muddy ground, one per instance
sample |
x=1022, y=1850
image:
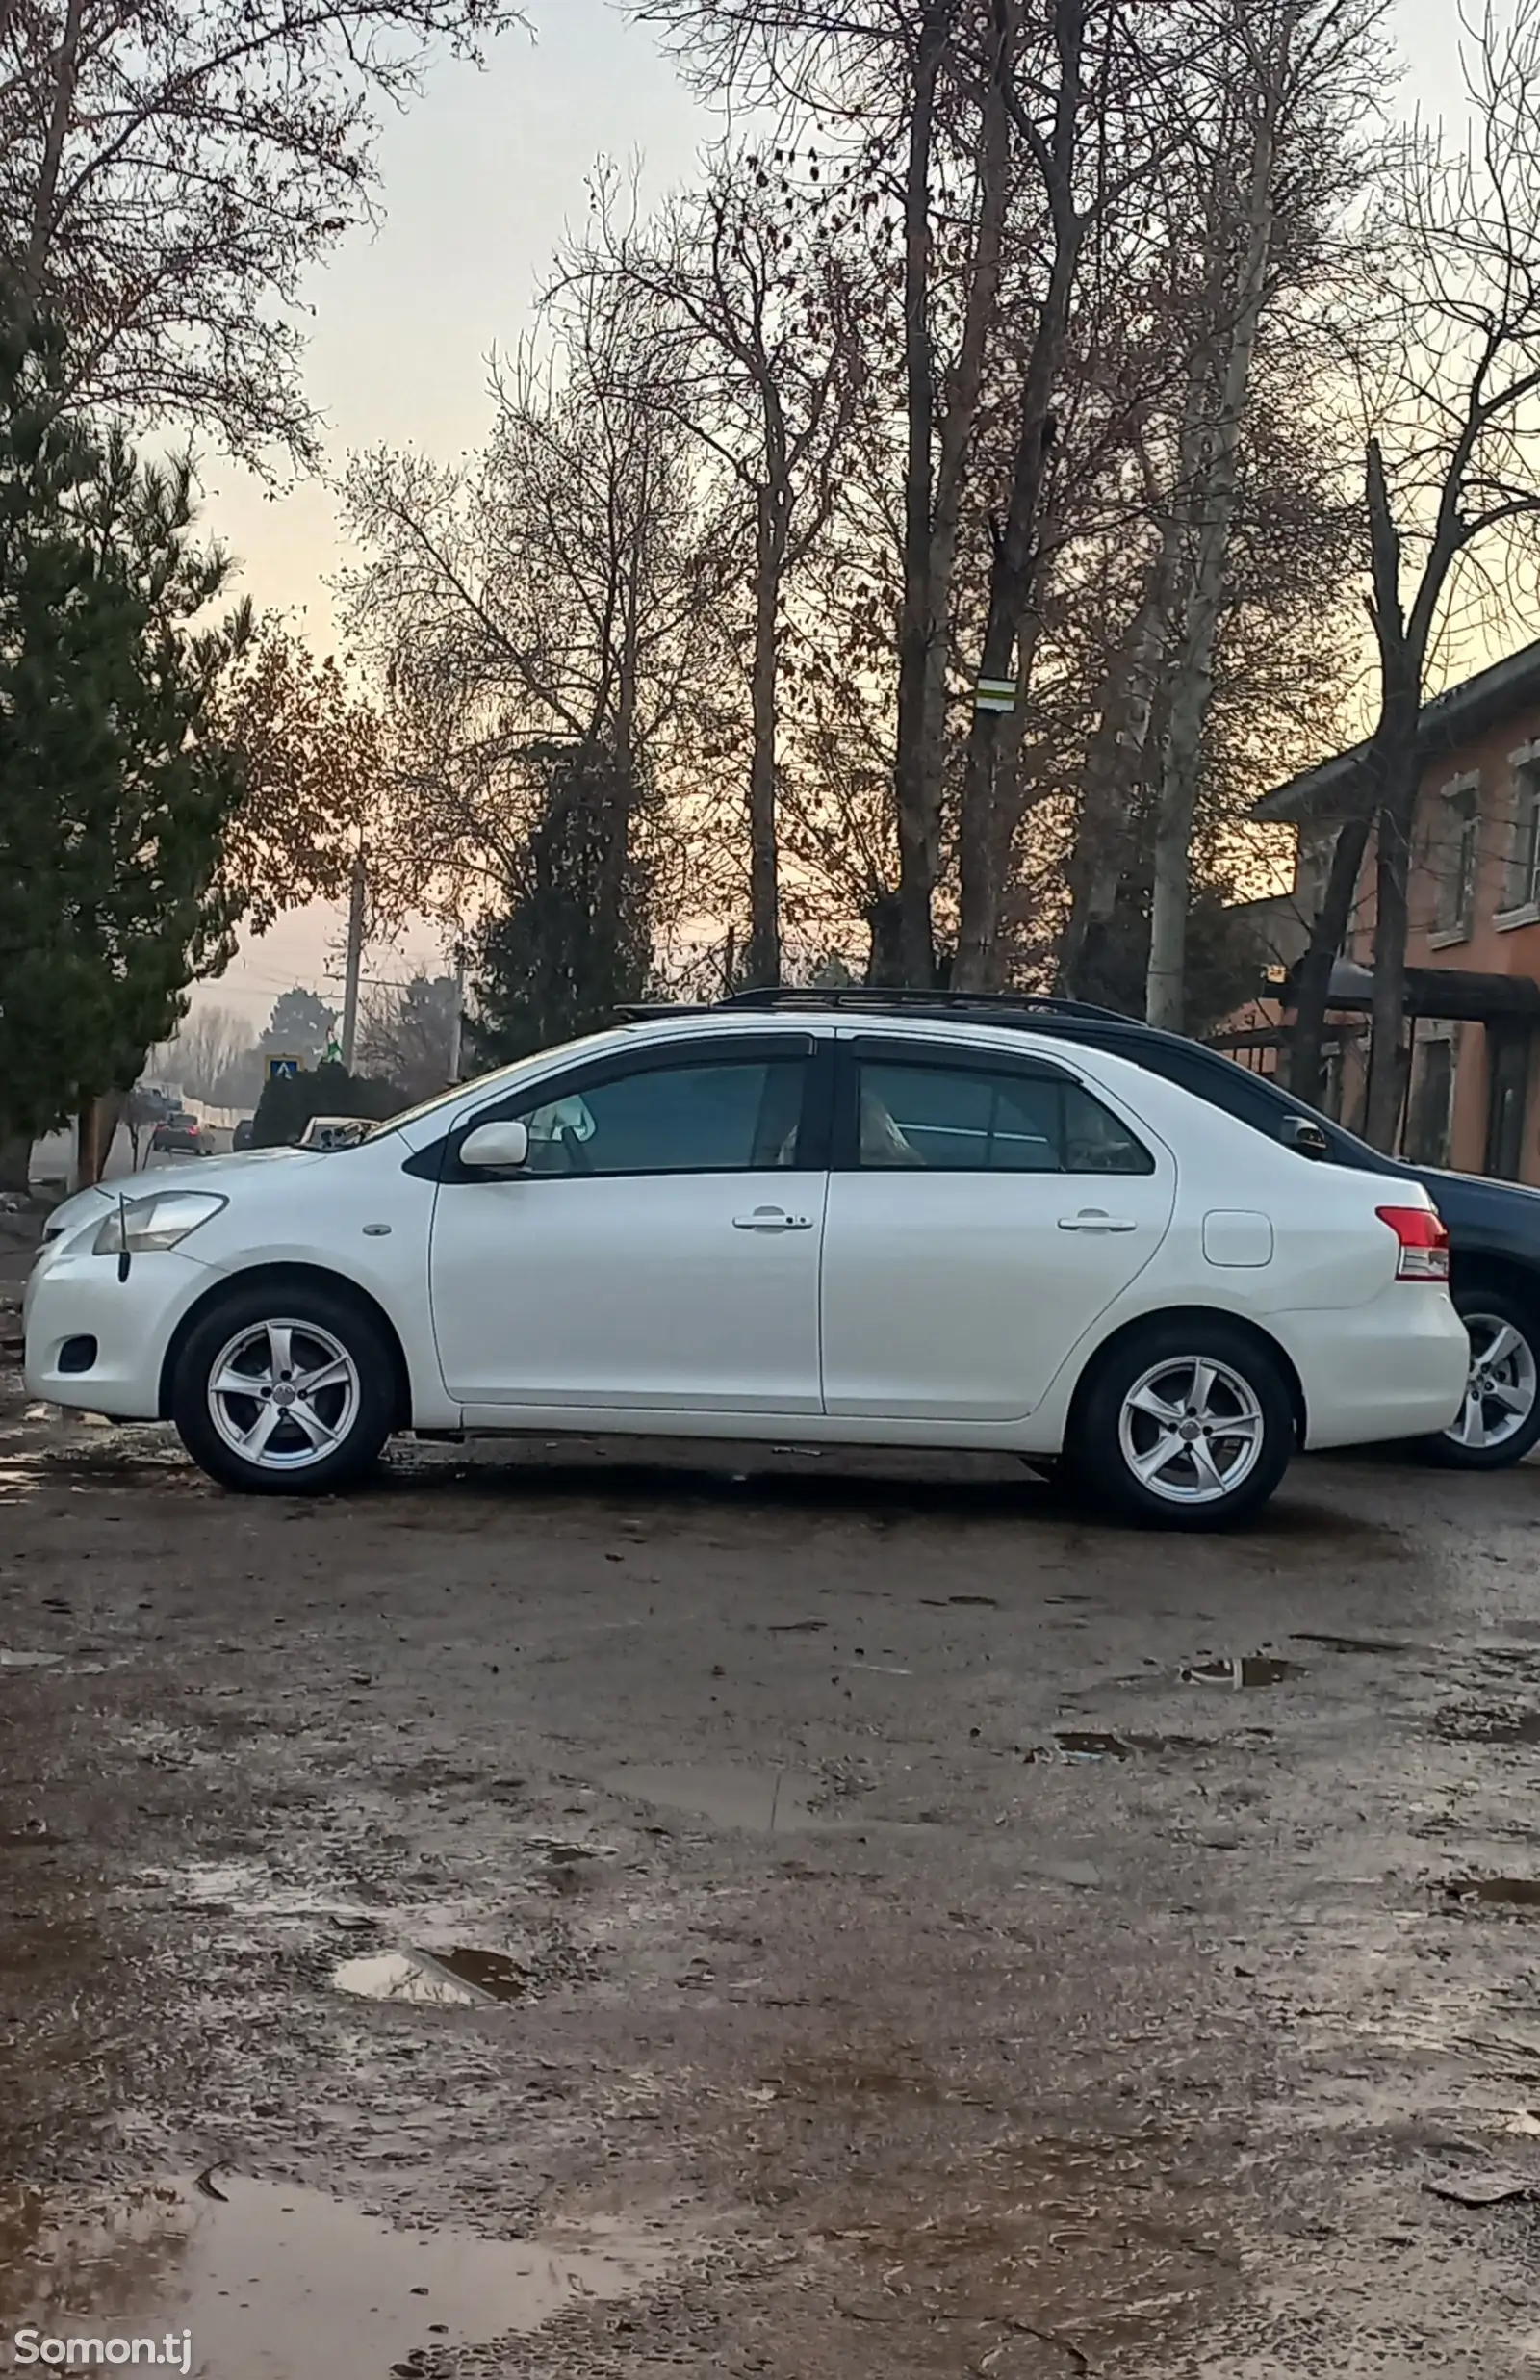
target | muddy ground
x=560, y=1915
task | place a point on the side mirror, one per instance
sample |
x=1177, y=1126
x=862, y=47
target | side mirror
x=496, y=1148
x=1305, y=1136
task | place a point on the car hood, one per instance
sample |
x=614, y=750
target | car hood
x=211, y=1174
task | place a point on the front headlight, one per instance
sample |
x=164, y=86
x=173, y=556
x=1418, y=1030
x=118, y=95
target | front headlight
x=139, y=1226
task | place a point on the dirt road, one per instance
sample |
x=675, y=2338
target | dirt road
x=552, y=1915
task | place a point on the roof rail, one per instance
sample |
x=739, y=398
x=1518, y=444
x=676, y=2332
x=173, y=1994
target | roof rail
x=996, y=1006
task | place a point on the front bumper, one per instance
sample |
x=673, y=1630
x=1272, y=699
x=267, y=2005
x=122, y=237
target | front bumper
x=1395, y=1368
x=74, y=1296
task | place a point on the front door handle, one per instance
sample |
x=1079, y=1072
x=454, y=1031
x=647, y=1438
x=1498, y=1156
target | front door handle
x=1096, y=1219
x=772, y=1219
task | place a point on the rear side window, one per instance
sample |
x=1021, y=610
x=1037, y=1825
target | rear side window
x=968, y=1120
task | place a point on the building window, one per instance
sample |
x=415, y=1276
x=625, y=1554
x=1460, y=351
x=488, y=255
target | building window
x=1456, y=879
x=1427, y=1138
x=1524, y=864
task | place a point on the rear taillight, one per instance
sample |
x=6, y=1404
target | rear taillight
x=1422, y=1243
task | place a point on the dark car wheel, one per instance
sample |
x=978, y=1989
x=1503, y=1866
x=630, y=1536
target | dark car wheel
x=284, y=1391
x=1185, y=1425
x=1499, y=1421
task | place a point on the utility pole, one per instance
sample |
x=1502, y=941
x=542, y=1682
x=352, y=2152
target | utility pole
x=356, y=902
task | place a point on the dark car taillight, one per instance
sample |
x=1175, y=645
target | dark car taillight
x=1424, y=1244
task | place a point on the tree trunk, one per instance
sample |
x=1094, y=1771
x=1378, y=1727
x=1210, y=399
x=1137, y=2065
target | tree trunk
x=964, y=388
x=16, y=1160
x=1328, y=932
x=1114, y=764
x=765, y=893
x=989, y=845
x=41, y=231
x=1191, y=689
x=917, y=827
x=885, y=954
x=1396, y=809
x=1014, y=572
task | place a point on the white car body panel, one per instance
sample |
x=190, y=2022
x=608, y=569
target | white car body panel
x=638, y=1304
x=642, y=1291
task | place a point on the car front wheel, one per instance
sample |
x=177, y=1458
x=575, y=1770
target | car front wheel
x=1499, y=1421
x=1184, y=1425
x=284, y=1391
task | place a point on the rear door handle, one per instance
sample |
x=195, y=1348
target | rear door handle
x=772, y=1219
x=1094, y=1219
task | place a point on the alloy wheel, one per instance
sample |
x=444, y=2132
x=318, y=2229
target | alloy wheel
x=283, y=1395
x=1192, y=1430
x=1500, y=1389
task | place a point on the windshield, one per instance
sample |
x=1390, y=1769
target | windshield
x=504, y=1076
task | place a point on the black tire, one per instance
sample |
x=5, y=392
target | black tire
x=1249, y=1388
x=1519, y=1371
x=324, y=1330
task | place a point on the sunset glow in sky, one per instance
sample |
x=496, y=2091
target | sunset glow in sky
x=478, y=182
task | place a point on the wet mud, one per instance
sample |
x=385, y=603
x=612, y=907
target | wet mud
x=556, y=1913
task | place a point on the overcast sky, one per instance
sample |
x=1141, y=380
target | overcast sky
x=478, y=182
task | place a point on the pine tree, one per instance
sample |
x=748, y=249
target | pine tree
x=577, y=936
x=114, y=788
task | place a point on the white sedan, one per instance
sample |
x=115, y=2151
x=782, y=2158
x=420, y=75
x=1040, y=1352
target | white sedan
x=847, y=1228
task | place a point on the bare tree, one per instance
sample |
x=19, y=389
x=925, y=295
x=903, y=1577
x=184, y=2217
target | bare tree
x=207, y=1043
x=167, y=173
x=1290, y=73
x=406, y=1034
x=547, y=619
x=1450, y=470
x=752, y=349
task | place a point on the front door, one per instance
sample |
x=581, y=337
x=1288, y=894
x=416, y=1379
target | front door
x=659, y=1249
x=1508, y=1050
x=981, y=1216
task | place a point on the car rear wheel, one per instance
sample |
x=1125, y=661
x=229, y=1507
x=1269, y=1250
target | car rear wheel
x=284, y=1391
x=1499, y=1421
x=1184, y=1425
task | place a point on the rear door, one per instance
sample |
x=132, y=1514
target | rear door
x=983, y=1211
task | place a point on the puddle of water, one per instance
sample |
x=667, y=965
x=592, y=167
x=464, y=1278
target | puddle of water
x=940, y=1603
x=1457, y=1725
x=1241, y=1671
x=796, y=1628
x=10, y=1659
x=754, y=1800
x=1073, y=1743
x=1503, y=1892
x=1350, y=1644
x=459, y=1977
x=279, y=2284
x=1088, y=1743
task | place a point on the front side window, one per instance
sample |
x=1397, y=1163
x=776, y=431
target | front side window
x=728, y=1118
x=966, y=1119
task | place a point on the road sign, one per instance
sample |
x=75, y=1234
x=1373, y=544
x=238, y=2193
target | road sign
x=284, y=1070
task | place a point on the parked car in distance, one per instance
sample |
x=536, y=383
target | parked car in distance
x=179, y=1135
x=1494, y=1227
x=910, y=1230
x=335, y=1132
x=241, y=1137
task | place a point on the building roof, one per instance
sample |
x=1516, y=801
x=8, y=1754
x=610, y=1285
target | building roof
x=1451, y=719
